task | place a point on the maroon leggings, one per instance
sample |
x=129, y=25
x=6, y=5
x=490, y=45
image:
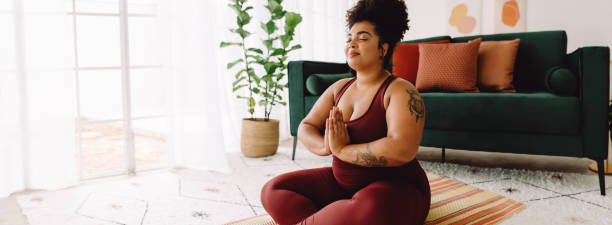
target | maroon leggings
x=314, y=197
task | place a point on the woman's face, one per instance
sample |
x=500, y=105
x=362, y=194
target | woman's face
x=362, y=49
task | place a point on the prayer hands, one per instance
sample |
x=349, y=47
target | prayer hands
x=336, y=134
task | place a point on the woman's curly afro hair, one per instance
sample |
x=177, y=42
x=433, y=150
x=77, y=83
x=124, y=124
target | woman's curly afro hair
x=390, y=19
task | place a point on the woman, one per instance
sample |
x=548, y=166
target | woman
x=372, y=125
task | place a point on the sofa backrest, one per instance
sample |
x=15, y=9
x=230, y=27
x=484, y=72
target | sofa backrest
x=436, y=38
x=537, y=52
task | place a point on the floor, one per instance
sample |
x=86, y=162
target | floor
x=557, y=190
x=103, y=148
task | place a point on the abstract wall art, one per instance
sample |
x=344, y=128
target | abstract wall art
x=463, y=17
x=510, y=16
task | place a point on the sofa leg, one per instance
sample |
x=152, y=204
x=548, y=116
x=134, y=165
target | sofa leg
x=602, y=179
x=294, y=144
x=443, y=154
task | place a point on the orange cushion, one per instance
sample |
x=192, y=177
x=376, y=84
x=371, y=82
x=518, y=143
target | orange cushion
x=448, y=67
x=406, y=59
x=496, y=65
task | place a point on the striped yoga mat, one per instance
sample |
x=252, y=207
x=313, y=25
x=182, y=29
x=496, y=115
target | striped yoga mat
x=452, y=202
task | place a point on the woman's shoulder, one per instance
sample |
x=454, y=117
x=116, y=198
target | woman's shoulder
x=336, y=86
x=400, y=85
x=399, y=89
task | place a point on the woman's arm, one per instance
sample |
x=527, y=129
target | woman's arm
x=405, y=117
x=311, y=127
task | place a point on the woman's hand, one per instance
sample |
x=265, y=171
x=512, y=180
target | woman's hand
x=326, y=147
x=336, y=133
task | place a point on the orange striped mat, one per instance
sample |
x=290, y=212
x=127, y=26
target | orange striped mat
x=452, y=202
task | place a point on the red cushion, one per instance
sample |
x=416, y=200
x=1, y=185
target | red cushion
x=406, y=59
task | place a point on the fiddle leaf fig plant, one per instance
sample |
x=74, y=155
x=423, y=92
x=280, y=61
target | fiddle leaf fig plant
x=272, y=59
x=246, y=76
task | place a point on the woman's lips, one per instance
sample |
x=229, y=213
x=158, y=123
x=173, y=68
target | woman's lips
x=351, y=55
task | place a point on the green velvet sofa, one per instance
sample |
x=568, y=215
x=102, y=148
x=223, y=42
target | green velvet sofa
x=560, y=108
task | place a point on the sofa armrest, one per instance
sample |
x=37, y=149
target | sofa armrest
x=592, y=66
x=298, y=72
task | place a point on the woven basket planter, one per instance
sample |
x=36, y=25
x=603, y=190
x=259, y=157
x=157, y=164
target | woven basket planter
x=259, y=138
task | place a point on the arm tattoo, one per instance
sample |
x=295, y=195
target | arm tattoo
x=368, y=158
x=416, y=105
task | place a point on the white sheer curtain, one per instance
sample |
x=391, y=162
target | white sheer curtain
x=322, y=33
x=38, y=88
x=37, y=102
x=197, y=28
x=198, y=123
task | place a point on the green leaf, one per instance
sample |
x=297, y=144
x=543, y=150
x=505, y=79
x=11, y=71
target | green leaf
x=251, y=102
x=267, y=78
x=270, y=68
x=283, y=103
x=251, y=110
x=275, y=6
x=280, y=76
x=232, y=64
x=295, y=47
x=269, y=27
x=242, y=32
x=235, y=7
x=254, y=77
x=278, y=15
x=237, y=75
x=277, y=51
x=257, y=50
x=286, y=39
x=248, y=8
x=237, y=81
x=238, y=87
x=262, y=102
x=255, y=57
x=225, y=44
x=243, y=18
x=292, y=20
x=256, y=90
x=268, y=44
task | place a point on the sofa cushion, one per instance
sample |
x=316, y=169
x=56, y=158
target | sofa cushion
x=537, y=52
x=538, y=112
x=496, y=65
x=561, y=81
x=317, y=83
x=406, y=59
x=448, y=67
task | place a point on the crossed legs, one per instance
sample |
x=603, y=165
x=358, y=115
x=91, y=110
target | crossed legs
x=312, y=197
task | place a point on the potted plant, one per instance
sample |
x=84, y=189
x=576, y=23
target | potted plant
x=259, y=136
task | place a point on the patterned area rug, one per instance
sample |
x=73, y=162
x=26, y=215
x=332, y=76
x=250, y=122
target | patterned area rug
x=452, y=202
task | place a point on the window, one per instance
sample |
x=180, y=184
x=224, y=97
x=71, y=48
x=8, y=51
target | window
x=120, y=91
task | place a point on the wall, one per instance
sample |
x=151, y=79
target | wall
x=587, y=23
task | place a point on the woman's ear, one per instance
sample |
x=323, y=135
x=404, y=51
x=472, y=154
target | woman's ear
x=385, y=49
